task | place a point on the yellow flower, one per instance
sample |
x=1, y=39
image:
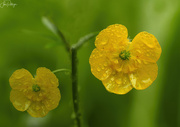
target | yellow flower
x=122, y=65
x=37, y=95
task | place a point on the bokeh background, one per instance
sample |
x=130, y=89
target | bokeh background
x=26, y=43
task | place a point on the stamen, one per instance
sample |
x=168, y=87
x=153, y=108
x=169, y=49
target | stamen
x=36, y=88
x=124, y=55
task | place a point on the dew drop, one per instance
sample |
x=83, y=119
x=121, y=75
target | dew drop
x=105, y=64
x=150, y=45
x=19, y=76
x=40, y=94
x=112, y=79
x=145, y=62
x=37, y=108
x=103, y=42
x=138, y=51
x=118, y=81
x=116, y=61
x=104, y=74
x=139, y=61
x=98, y=69
x=52, y=82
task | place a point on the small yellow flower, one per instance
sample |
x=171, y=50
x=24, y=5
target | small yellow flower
x=122, y=65
x=37, y=95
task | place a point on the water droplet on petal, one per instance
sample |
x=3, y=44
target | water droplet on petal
x=104, y=74
x=112, y=79
x=19, y=76
x=40, y=94
x=103, y=42
x=139, y=61
x=116, y=61
x=105, y=64
x=98, y=69
x=138, y=51
x=118, y=81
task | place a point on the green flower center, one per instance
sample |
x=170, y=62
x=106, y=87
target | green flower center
x=36, y=88
x=124, y=55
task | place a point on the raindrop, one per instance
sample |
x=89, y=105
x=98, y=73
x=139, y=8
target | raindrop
x=138, y=51
x=105, y=64
x=98, y=69
x=19, y=76
x=104, y=74
x=118, y=81
x=139, y=61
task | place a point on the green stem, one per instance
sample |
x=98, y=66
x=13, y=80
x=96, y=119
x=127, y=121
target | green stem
x=73, y=51
x=64, y=40
x=61, y=70
x=75, y=86
x=84, y=39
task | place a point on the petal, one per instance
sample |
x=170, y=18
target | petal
x=37, y=109
x=118, y=83
x=19, y=101
x=21, y=79
x=145, y=46
x=144, y=76
x=113, y=37
x=52, y=99
x=100, y=65
x=45, y=78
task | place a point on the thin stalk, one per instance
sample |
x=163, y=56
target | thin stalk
x=75, y=86
x=72, y=50
x=84, y=39
x=67, y=45
x=61, y=70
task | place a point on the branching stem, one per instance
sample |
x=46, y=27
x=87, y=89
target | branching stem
x=72, y=50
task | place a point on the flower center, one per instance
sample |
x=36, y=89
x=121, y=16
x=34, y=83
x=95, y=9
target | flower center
x=36, y=88
x=124, y=55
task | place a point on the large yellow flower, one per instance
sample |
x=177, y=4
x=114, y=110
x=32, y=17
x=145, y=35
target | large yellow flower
x=122, y=65
x=37, y=95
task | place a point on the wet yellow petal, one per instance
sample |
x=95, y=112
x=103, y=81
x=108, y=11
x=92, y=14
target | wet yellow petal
x=21, y=79
x=52, y=99
x=19, y=101
x=45, y=78
x=100, y=65
x=113, y=37
x=145, y=46
x=118, y=83
x=37, y=109
x=144, y=76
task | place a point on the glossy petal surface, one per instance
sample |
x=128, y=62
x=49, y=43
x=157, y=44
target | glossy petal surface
x=20, y=102
x=128, y=64
x=52, y=99
x=38, y=102
x=112, y=38
x=45, y=78
x=100, y=65
x=146, y=47
x=144, y=76
x=118, y=83
x=37, y=109
x=21, y=79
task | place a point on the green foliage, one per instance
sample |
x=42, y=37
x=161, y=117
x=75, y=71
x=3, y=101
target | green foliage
x=23, y=39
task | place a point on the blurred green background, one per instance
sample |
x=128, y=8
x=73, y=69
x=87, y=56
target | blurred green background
x=26, y=43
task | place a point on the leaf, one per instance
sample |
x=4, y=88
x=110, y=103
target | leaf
x=84, y=39
x=46, y=21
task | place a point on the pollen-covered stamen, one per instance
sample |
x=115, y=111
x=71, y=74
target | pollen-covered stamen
x=36, y=88
x=124, y=55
